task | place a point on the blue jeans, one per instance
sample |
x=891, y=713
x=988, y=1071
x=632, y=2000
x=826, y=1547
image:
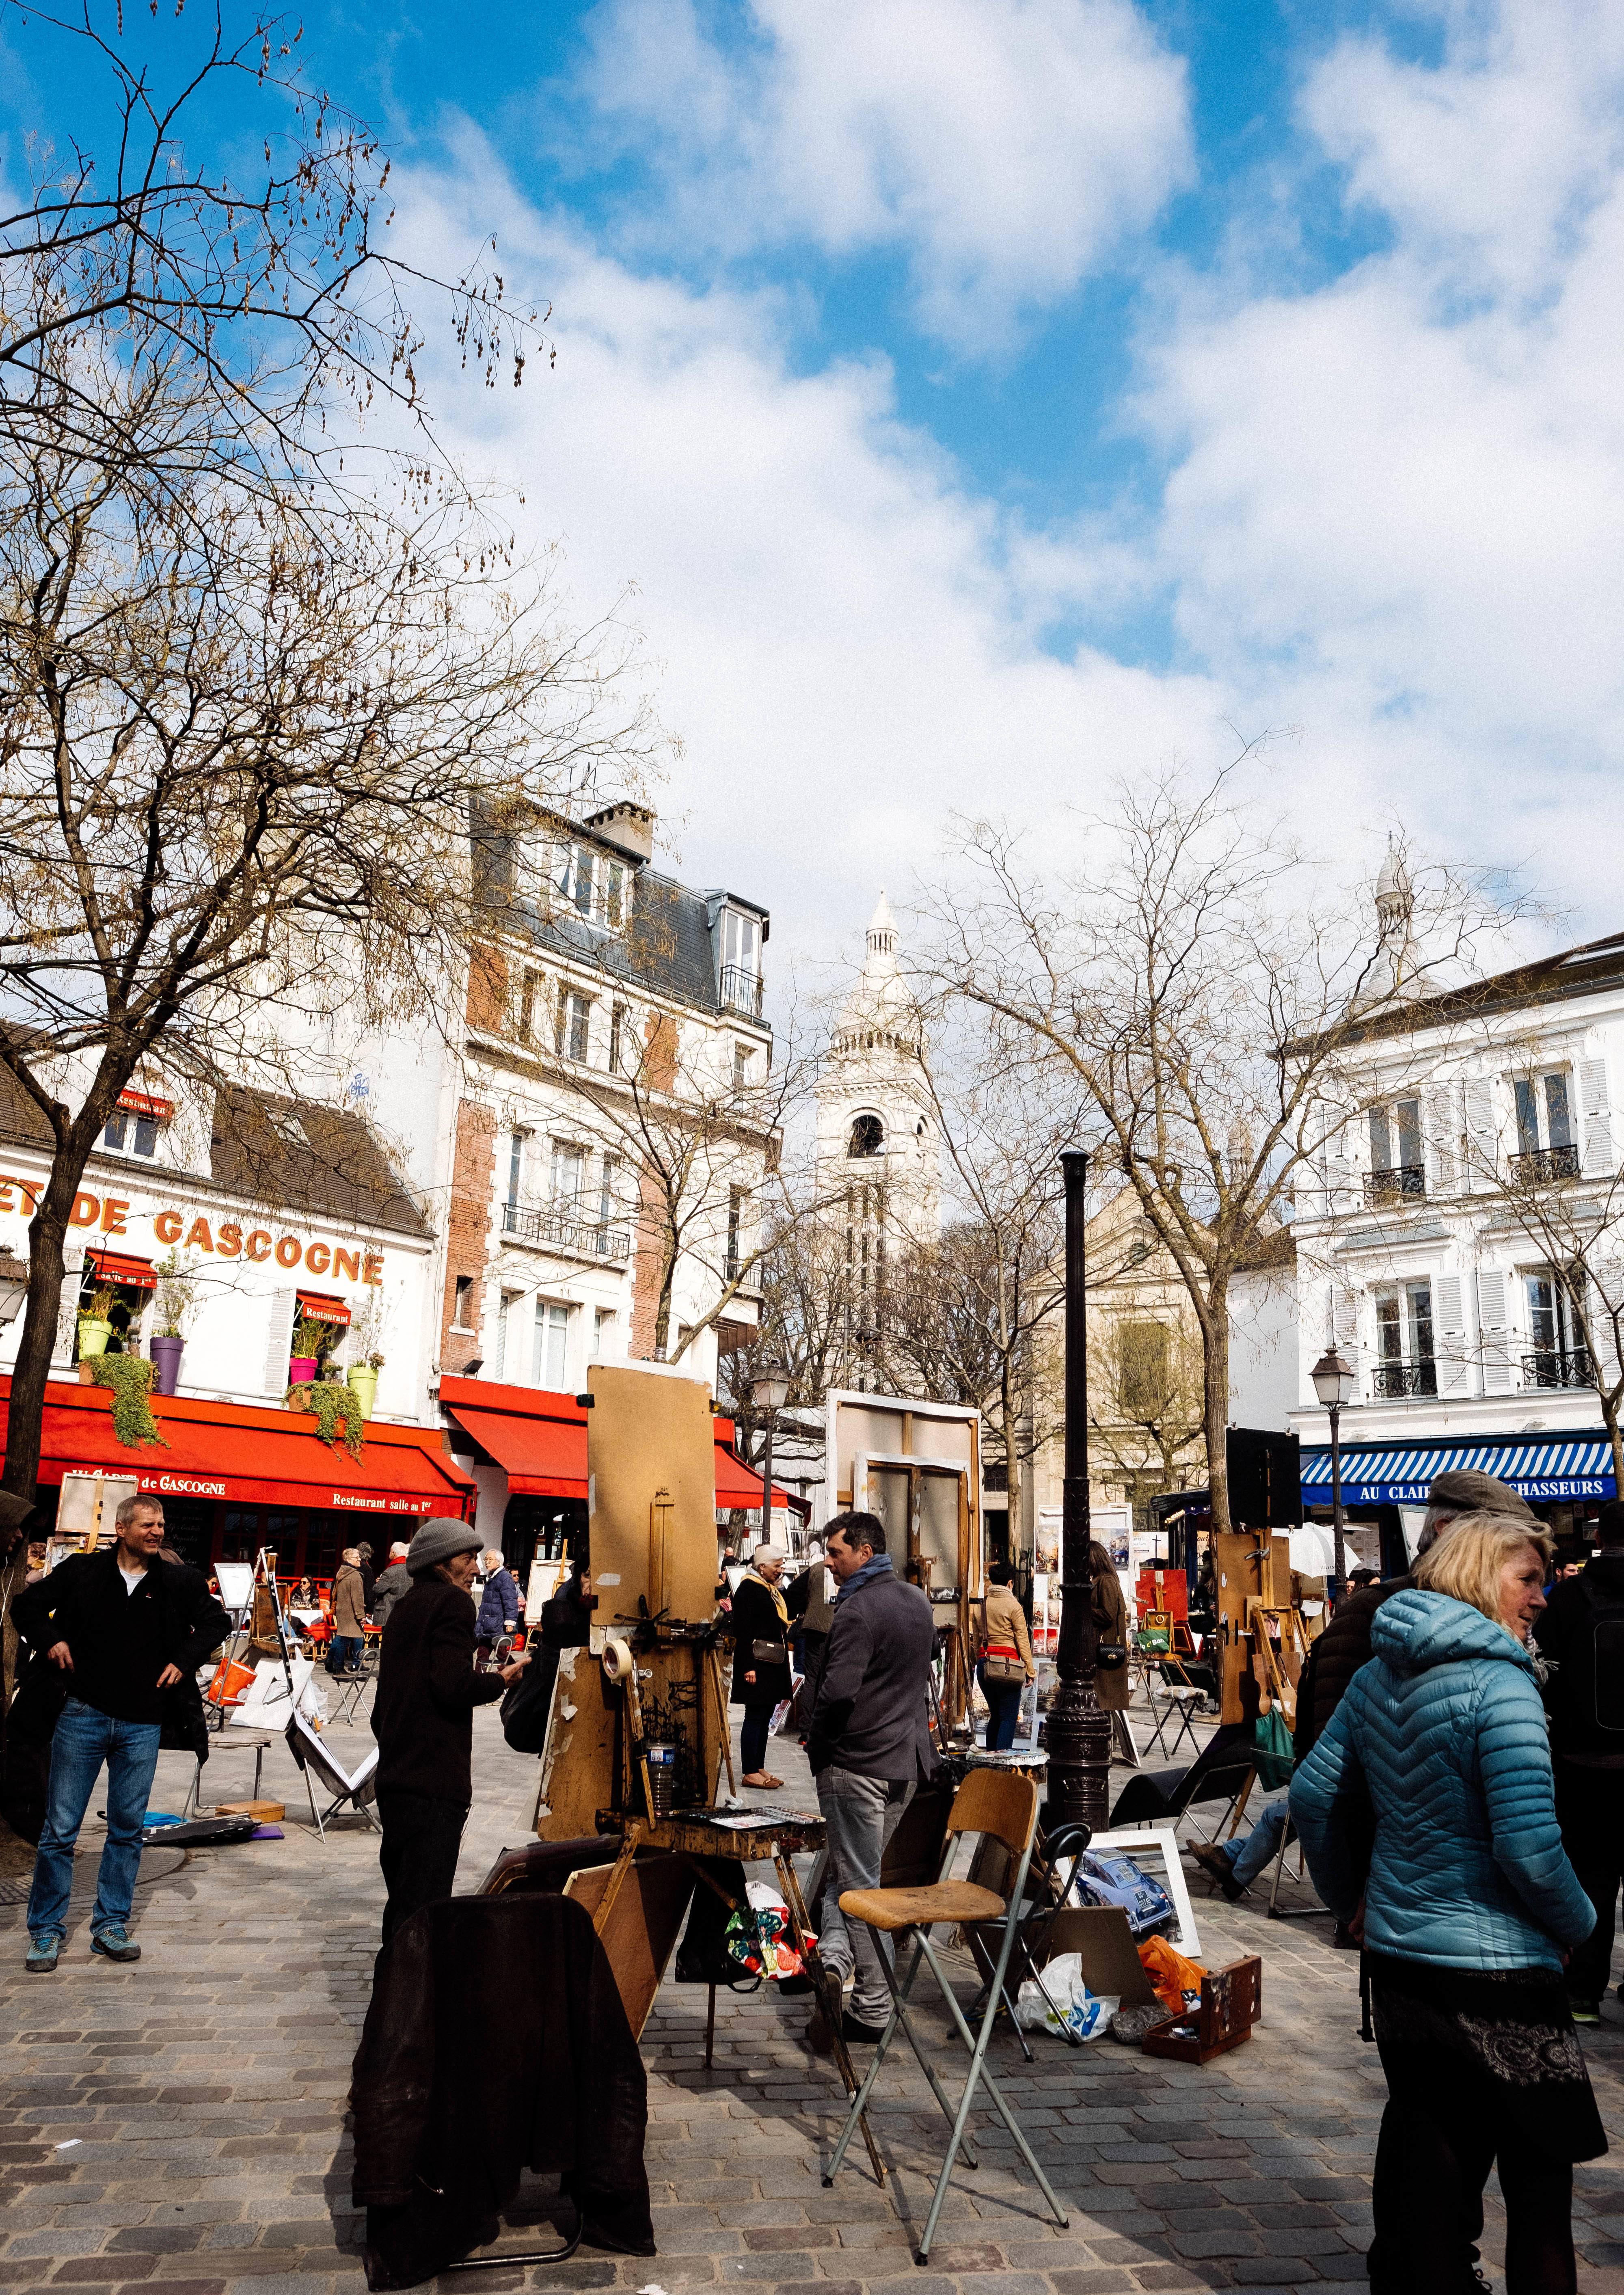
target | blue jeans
x=345, y=1652
x=861, y=1813
x=1249, y=1857
x=1003, y=1712
x=85, y=1739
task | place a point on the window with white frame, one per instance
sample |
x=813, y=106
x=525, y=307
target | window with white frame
x=573, y=1034
x=735, y=1214
x=741, y=1066
x=1555, y=1357
x=568, y=1177
x=505, y=1307
x=516, y=1173
x=740, y=983
x=593, y=883
x=603, y=1334
x=618, y=1038
x=1547, y=1149
x=550, y=1359
x=609, y=1183
x=1405, y=1362
x=1396, y=1164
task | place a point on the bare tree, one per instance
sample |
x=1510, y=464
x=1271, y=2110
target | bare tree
x=1147, y=1396
x=1202, y=991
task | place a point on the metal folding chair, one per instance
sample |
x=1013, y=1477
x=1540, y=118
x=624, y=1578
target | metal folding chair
x=1004, y=1804
x=1181, y=1698
x=357, y=1792
x=352, y=1690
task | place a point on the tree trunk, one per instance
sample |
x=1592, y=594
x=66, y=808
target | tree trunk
x=47, y=1231
x=1215, y=1380
x=1009, y=1410
x=662, y=1313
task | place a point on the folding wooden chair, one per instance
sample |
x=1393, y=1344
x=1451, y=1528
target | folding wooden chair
x=1004, y=1804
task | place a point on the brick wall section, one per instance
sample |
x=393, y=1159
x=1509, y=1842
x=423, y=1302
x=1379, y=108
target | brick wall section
x=487, y=991
x=648, y=1243
x=468, y=1229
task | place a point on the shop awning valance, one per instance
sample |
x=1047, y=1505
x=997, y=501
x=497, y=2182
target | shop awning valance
x=539, y=1439
x=736, y=1485
x=322, y=1309
x=118, y=1267
x=1577, y=1466
x=250, y=1457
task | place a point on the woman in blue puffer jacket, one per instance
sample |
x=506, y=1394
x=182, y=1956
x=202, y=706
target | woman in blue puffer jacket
x=1466, y=1916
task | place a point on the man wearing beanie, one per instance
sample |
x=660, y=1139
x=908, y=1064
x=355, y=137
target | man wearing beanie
x=423, y=1719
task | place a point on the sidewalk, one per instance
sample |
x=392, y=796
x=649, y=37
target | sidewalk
x=180, y=2125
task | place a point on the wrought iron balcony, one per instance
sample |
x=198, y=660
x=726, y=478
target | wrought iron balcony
x=1403, y=1382
x=741, y=991
x=1402, y=1180
x=1557, y=1367
x=1538, y=1167
x=590, y=1238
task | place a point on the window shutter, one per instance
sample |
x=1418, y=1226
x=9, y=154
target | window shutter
x=1494, y=1331
x=280, y=1342
x=1480, y=1132
x=68, y=1311
x=1441, y=1122
x=1450, y=1334
x=1597, y=1116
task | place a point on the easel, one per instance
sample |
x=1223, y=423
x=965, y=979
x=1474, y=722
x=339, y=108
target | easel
x=1282, y=1666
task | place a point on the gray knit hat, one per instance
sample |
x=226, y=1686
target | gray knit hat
x=1465, y=1491
x=437, y=1539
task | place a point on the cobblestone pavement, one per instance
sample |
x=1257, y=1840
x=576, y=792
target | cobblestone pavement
x=180, y=2125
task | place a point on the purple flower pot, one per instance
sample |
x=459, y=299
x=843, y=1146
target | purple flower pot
x=166, y=1351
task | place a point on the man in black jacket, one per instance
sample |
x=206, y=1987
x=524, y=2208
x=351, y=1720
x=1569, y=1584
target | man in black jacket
x=423, y=1719
x=1580, y=1634
x=869, y=1744
x=123, y=1628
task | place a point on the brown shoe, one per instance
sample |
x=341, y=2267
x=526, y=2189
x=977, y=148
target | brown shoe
x=760, y=1781
x=1212, y=1862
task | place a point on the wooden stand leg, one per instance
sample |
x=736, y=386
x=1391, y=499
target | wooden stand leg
x=715, y=1670
x=622, y=1866
x=826, y=1992
x=710, y=2027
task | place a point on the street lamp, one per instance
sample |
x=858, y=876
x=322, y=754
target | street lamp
x=769, y=1391
x=1079, y=1733
x=1333, y=1385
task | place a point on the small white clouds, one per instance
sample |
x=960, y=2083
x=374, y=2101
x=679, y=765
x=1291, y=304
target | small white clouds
x=1004, y=147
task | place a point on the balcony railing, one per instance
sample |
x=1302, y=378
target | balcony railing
x=741, y=991
x=1557, y=1367
x=1403, y=1382
x=1538, y=1167
x=589, y=1237
x=1402, y=1180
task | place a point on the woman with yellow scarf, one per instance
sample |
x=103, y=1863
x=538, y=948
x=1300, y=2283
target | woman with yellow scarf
x=761, y=1659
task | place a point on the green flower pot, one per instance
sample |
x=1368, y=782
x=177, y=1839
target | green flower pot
x=93, y=1335
x=361, y=1380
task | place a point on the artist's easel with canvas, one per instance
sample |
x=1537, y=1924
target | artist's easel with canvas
x=86, y=1511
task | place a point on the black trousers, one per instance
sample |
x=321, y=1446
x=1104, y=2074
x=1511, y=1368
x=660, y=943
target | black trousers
x=1437, y=2144
x=418, y=1852
x=1590, y=1811
x=752, y=1737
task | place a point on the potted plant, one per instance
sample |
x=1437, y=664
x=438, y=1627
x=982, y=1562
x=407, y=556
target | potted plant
x=172, y=1306
x=95, y=1329
x=337, y=1409
x=367, y=1333
x=309, y=1338
x=130, y=1380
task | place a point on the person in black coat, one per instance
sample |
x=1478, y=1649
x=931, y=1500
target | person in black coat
x=1586, y=1711
x=761, y=1659
x=423, y=1719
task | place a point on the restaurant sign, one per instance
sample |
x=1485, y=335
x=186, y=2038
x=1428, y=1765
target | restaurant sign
x=195, y=1231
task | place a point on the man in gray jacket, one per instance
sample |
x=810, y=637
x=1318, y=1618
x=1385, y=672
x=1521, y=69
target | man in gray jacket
x=869, y=1744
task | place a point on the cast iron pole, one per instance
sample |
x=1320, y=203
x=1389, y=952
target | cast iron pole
x=1339, y=1565
x=1079, y=1733
x=767, y=1482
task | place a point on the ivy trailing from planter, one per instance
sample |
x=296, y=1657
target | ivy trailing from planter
x=130, y=1378
x=331, y=1404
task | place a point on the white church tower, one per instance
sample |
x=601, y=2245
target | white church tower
x=876, y=1128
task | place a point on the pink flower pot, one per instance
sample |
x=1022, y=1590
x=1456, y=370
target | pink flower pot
x=301, y=1371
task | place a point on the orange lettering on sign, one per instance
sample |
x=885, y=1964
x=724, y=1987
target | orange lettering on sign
x=198, y=1236
x=346, y=1263
x=167, y=1226
x=371, y=1267
x=112, y=1215
x=288, y=1252
x=231, y=1239
x=318, y=1258
x=259, y=1244
x=85, y=1210
x=7, y=1205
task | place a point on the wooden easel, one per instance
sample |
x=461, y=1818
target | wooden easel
x=1282, y=1666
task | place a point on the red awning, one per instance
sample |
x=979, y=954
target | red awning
x=736, y=1485
x=114, y=1267
x=321, y=1308
x=540, y=1440
x=250, y=1457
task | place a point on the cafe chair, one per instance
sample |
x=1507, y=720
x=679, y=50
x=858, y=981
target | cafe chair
x=1000, y=1804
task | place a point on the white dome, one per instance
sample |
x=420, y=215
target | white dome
x=881, y=1010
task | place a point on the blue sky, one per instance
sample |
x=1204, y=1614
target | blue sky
x=989, y=399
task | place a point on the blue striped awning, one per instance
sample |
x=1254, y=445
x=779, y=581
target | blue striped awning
x=1581, y=1467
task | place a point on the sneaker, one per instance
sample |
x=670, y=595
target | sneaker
x=115, y=1944
x=1586, y=2011
x=42, y=1954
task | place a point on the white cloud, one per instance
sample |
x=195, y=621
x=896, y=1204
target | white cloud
x=1005, y=147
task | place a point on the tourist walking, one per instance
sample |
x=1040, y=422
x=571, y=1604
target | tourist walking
x=344, y=1651
x=761, y=1661
x=498, y=1604
x=1468, y=1911
x=395, y=1581
x=1007, y=1663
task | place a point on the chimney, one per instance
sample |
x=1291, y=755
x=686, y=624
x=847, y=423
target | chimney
x=630, y=828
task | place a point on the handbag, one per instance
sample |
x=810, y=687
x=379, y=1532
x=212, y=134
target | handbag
x=1001, y=1663
x=769, y=1652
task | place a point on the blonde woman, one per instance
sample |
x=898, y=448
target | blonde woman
x=1467, y=1915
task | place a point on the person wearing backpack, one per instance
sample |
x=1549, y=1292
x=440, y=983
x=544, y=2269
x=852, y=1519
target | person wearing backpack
x=1580, y=1637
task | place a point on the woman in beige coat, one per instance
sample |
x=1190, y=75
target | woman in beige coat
x=1005, y=1658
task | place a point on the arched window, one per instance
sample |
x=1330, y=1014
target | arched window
x=868, y=1137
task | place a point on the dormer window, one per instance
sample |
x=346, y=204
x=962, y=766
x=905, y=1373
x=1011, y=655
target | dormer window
x=592, y=882
x=134, y=1123
x=740, y=982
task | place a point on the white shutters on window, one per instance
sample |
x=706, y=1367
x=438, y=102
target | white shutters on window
x=1449, y=1336
x=1480, y=1140
x=279, y=1344
x=1597, y=1116
x=1442, y=1124
x=1494, y=1326
x=68, y=1313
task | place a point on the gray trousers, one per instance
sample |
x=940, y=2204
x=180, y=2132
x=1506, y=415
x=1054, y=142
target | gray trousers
x=861, y=1814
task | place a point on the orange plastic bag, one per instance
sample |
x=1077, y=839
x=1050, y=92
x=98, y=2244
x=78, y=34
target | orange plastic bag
x=1171, y=1976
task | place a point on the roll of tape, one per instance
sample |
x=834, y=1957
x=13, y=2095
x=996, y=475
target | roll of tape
x=617, y=1659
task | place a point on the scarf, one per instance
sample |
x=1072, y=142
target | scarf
x=779, y=1602
x=876, y=1568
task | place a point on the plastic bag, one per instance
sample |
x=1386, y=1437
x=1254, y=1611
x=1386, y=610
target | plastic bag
x=761, y=1940
x=1175, y=1980
x=1272, y=1738
x=1079, y=2011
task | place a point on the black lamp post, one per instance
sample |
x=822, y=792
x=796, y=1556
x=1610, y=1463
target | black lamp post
x=1333, y=1383
x=1079, y=1733
x=769, y=1391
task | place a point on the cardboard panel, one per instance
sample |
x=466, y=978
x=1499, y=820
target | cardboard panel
x=646, y=1432
x=1111, y=1963
x=581, y=1761
x=644, y=1924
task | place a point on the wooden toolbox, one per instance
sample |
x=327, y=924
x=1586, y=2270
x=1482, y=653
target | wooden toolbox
x=1231, y=2003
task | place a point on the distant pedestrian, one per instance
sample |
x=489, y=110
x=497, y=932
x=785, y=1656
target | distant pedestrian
x=395, y=1581
x=1468, y=1912
x=1113, y=1682
x=423, y=1720
x=126, y=1631
x=761, y=1661
x=344, y=1652
x=811, y=1602
x=1007, y=1663
x=1581, y=1636
x=498, y=1604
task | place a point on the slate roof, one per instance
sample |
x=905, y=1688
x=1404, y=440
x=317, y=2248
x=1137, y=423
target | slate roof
x=299, y=1155
x=1592, y=968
